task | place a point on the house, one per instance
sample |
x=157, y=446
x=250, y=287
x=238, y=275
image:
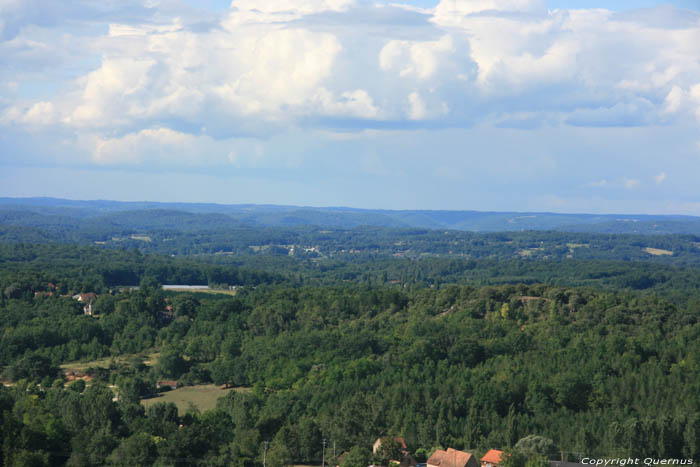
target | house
x=451, y=458
x=171, y=384
x=89, y=300
x=491, y=458
x=85, y=297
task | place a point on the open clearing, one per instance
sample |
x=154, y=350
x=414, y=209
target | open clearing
x=528, y=252
x=202, y=396
x=148, y=359
x=658, y=252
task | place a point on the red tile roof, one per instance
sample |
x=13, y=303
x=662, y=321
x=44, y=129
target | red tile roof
x=492, y=457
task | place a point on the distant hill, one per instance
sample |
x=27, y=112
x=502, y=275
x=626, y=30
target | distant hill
x=53, y=212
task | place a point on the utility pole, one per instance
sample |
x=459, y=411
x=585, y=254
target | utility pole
x=265, y=453
x=323, y=462
x=335, y=459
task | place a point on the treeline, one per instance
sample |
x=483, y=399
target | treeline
x=679, y=284
x=29, y=268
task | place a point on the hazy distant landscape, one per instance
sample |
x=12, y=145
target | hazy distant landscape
x=38, y=212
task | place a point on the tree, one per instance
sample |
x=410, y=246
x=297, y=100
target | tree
x=356, y=457
x=138, y=449
x=13, y=291
x=223, y=371
x=133, y=389
x=389, y=450
x=33, y=368
x=278, y=455
x=162, y=418
x=512, y=458
x=78, y=385
x=309, y=436
x=170, y=364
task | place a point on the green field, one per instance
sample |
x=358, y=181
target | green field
x=202, y=396
x=148, y=358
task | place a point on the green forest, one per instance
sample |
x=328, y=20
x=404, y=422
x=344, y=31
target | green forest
x=588, y=343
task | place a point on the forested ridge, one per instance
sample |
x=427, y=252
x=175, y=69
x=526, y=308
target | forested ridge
x=601, y=357
x=62, y=213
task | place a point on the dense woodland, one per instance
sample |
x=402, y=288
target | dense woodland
x=596, y=348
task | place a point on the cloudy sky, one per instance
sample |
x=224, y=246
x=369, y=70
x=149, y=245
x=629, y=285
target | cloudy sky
x=529, y=105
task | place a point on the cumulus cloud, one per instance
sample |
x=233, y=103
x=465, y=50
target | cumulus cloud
x=262, y=67
x=151, y=145
x=419, y=59
x=278, y=70
x=266, y=62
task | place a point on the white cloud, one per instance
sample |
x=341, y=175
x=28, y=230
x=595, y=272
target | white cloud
x=266, y=63
x=631, y=183
x=673, y=100
x=357, y=103
x=10, y=115
x=277, y=11
x=597, y=184
x=452, y=11
x=302, y=7
x=262, y=67
x=414, y=58
x=163, y=147
x=416, y=106
x=267, y=72
x=148, y=146
x=660, y=178
x=695, y=97
x=40, y=113
x=111, y=93
x=277, y=68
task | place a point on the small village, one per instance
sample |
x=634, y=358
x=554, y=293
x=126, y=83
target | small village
x=394, y=452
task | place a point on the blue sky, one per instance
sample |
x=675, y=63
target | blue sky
x=529, y=105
